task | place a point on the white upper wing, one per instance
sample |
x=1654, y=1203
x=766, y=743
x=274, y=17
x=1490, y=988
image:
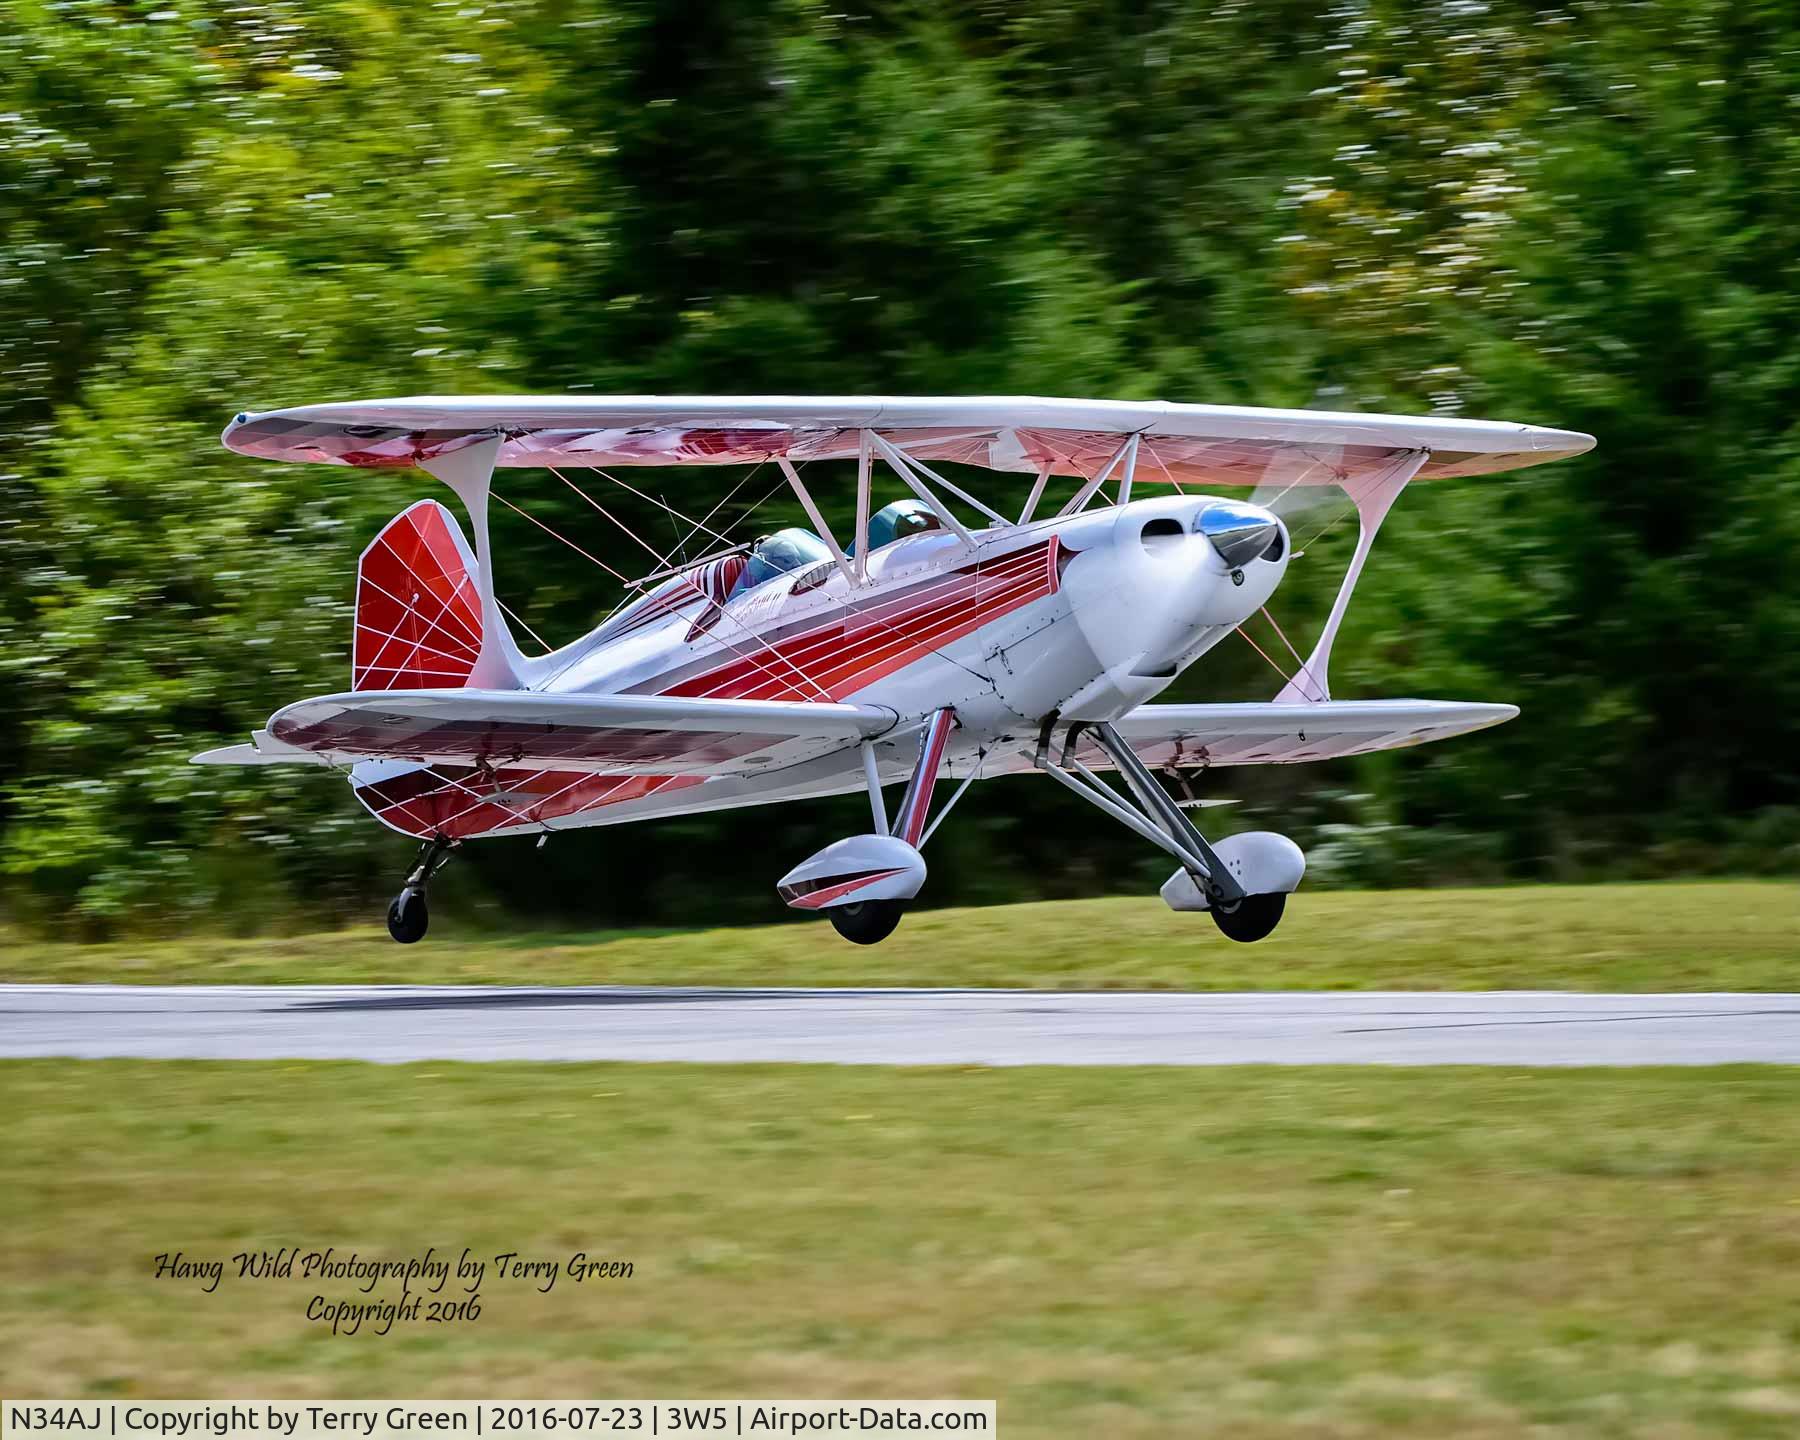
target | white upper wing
x=1216, y=444
x=602, y=734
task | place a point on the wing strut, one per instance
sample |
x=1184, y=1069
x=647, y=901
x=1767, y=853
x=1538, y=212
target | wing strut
x=861, y=538
x=909, y=824
x=469, y=472
x=1372, y=495
x=1127, y=452
x=872, y=775
x=812, y=513
x=1037, y=493
x=903, y=467
x=920, y=467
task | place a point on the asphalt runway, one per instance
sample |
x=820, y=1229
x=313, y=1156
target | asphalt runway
x=894, y=1027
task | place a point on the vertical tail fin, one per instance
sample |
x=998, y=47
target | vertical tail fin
x=418, y=605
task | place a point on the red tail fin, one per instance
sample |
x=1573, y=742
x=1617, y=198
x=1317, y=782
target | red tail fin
x=418, y=614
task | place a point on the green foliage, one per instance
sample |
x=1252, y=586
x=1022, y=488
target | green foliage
x=1581, y=217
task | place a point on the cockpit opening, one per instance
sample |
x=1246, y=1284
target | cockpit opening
x=795, y=548
x=786, y=550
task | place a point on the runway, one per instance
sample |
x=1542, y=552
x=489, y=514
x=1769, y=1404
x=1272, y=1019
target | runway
x=894, y=1027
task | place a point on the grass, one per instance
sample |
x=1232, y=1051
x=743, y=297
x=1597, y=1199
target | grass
x=1726, y=935
x=1245, y=1253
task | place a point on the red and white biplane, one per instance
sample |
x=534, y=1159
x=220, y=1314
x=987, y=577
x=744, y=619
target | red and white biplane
x=939, y=639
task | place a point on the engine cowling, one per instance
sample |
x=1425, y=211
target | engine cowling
x=1166, y=582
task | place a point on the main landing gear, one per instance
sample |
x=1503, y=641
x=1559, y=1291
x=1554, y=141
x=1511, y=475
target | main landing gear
x=864, y=882
x=407, y=916
x=1243, y=882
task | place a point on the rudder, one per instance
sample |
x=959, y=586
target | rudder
x=418, y=607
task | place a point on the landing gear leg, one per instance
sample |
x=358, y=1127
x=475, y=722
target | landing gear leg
x=1158, y=818
x=863, y=883
x=407, y=915
x=1239, y=914
x=1220, y=885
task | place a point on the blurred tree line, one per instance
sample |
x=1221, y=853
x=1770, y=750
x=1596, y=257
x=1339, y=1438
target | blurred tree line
x=1584, y=215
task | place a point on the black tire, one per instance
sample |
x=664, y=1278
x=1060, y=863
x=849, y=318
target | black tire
x=868, y=922
x=1251, y=918
x=408, y=917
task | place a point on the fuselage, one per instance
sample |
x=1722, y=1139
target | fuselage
x=1082, y=617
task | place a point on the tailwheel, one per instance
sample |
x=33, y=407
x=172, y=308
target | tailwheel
x=867, y=922
x=1249, y=919
x=408, y=917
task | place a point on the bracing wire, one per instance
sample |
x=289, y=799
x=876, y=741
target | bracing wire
x=730, y=495
x=623, y=580
x=759, y=642
x=1300, y=665
x=1325, y=529
x=1264, y=653
x=630, y=584
x=607, y=474
x=1284, y=640
x=662, y=560
x=513, y=615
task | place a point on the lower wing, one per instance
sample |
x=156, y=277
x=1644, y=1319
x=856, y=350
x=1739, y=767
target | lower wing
x=597, y=734
x=1184, y=737
x=1266, y=734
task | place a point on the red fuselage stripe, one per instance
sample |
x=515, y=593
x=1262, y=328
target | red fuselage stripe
x=913, y=625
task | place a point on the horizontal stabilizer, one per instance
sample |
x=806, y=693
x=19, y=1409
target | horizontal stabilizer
x=597, y=734
x=251, y=755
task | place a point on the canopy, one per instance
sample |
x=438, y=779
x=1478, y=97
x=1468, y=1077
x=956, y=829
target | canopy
x=1207, y=444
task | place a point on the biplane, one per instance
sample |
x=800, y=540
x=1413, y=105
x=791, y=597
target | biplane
x=938, y=641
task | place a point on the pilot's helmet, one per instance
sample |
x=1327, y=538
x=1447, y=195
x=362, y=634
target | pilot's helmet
x=897, y=521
